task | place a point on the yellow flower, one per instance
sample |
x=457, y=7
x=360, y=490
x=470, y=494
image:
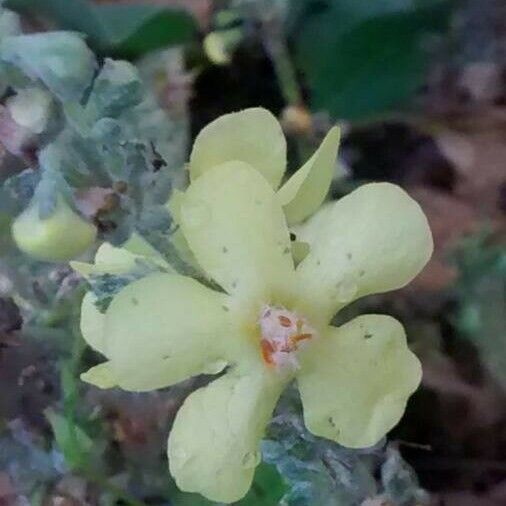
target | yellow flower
x=255, y=137
x=271, y=323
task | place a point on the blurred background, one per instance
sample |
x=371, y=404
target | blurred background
x=419, y=88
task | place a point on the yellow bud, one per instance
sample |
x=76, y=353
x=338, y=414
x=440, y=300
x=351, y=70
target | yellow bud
x=220, y=45
x=60, y=237
x=297, y=119
x=214, y=47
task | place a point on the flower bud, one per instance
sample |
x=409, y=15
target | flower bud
x=60, y=237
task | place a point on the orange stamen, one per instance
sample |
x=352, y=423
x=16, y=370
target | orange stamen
x=285, y=321
x=267, y=351
x=293, y=340
x=302, y=337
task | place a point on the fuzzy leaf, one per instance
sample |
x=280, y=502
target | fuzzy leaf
x=117, y=87
x=61, y=60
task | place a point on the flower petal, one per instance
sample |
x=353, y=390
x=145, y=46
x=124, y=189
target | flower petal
x=108, y=260
x=137, y=245
x=305, y=191
x=253, y=136
x=174, y=205
x=235, y=226
x=214, y=443
x=300, y=250
x=355, y=381
x=101, y=376
x=177, y=237
x=165, y=328
x=92, y=323
x=111, y=260
x=373, y=240
x=182, y=249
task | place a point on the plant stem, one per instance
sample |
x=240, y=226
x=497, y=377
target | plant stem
x=69, y=402
x=274, y=42
x=285, y=72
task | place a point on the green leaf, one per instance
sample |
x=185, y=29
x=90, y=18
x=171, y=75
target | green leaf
x=61, y=60
x=73, y=442
x=361, y=58
x=70, y=14
x=480, y=293
x=267, y=489
x=133, y=29
x=123, y=30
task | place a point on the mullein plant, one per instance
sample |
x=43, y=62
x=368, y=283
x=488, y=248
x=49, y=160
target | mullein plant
x=258, y=309
x=74, y=125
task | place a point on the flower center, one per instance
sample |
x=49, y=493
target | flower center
x=283, y=333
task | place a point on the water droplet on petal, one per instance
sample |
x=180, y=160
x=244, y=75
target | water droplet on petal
x=251, y=459
x=346, y=290
x=197, y=214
